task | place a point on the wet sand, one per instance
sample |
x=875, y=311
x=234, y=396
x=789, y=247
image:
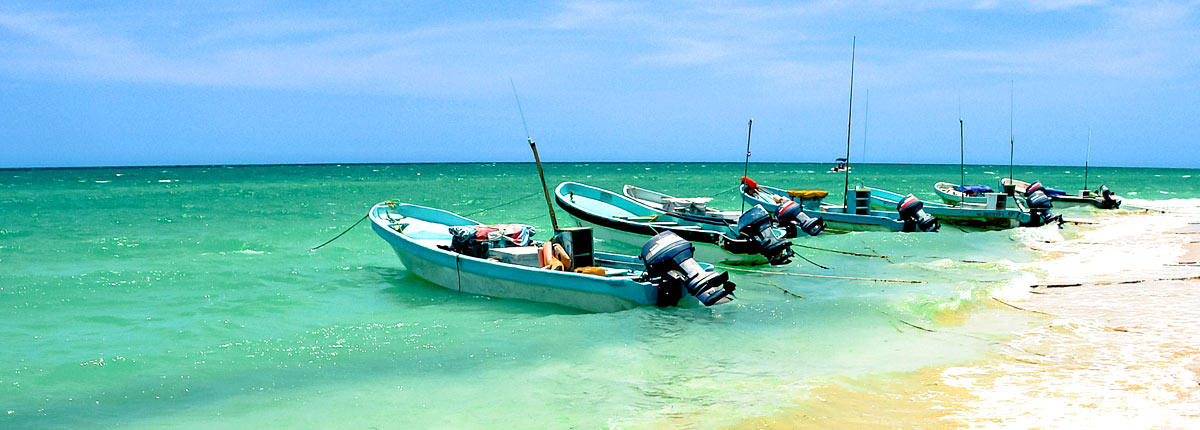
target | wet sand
x=1119, y=346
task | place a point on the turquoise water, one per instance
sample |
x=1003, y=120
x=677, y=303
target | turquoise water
x=186, y=297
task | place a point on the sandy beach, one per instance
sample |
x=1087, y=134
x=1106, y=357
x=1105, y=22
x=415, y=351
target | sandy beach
x=1117, y=345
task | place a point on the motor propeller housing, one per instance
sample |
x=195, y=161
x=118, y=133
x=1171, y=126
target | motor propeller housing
x=1110, y=200
x=912, y=212
x=1040, y=205
x=669, y=263
x=790, y=215
x=755, y=225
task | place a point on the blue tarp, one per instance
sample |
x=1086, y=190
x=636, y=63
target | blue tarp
x=973, y=189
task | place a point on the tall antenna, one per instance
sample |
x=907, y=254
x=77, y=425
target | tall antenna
x=746, y=169
x=866, y=117
x=1011, y=144
x=962, y=150
x=536, y=159
x=846, y=187
x=1087, y=158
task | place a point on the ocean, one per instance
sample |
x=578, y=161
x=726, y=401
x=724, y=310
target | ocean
x=187, y=297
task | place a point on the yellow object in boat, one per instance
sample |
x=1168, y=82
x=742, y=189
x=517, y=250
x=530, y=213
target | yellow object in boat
x=590, y=270
x=808, y=194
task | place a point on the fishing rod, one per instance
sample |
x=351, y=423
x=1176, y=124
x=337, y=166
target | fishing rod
x=849, y=115
x=536, y=159
x=746, y=168
x=1086, y=158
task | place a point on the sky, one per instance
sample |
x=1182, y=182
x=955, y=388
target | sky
x=96, y=83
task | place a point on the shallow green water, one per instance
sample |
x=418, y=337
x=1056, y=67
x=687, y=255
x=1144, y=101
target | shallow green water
x=185, y=297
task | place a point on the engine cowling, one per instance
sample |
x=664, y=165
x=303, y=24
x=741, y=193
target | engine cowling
x=669, y=263
x=1109, y=200
x=755, y=225
x=790, y=215
x=1040, y=205
x=912, y=212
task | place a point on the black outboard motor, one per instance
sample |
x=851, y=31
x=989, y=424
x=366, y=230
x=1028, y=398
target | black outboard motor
x=755, y=225
x=1109, y=202
x=790, y=215
x=669, y=264
x=1040, y=204
x=912, y=212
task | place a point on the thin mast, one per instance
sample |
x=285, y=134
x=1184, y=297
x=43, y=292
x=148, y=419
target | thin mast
x=536, y=159
x=1011, y=144
x=866, y=117
x=962, y=170
x=746, y=169
x=849, y=115
x=1086, y=158
x=962, y=149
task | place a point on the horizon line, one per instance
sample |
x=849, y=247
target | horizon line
x=159, y=166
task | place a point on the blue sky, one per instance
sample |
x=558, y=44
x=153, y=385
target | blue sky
x=149, y=83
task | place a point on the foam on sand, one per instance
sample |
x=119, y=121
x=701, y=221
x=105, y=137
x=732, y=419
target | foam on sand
x=1121, y=346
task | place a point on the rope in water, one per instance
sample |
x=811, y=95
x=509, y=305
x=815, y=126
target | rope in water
x=885, y=257
x=360, y=220
x=841, y=252
x=339, y=234
x=808, y=275
x=502, y=205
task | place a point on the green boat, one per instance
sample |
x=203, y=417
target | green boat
x=1003, y=216
x=858, y=216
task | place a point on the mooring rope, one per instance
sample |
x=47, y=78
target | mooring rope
x=857, y=254
x=392, y=201
x=501, y=205
x=340, y=234
x=887, y=257
x=808, y=275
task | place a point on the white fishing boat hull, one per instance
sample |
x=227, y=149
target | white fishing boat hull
x=416, y=243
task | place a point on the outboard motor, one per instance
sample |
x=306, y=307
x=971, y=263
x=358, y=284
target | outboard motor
x=669, y=264
x=1040, y=204
x=912, y=212
x=1109, y=202
x=790, y=215
x=755, y=225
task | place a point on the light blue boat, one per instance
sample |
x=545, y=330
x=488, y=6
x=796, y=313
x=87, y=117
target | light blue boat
x=617, y=218
x=423, y=239
x=1099, y=199
x=1035, y=208
x=964, y=216
x=858, y=216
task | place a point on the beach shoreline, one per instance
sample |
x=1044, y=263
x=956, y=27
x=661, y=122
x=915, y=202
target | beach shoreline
x=1119, y=347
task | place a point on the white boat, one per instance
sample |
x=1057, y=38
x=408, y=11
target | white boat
x=424, y=239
